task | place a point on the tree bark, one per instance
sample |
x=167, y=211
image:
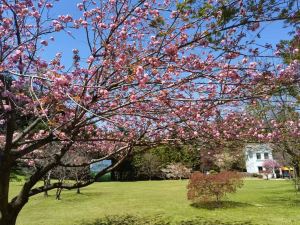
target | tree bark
x=77, y=181
x=8, y=213
x=58, y=193
x=297, y=175
x=4, y=189
x=8, y=219
x=47, y=182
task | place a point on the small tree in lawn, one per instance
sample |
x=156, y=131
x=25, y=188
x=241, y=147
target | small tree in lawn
x=203, y=188
x=269, y=167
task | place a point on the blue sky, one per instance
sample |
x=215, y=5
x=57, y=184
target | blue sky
x=64, y=43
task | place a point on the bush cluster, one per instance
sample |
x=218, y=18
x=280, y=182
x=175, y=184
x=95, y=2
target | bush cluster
x=257, y=175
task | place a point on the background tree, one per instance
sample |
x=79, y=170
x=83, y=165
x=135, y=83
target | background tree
x=269, y=167
x=148, y=165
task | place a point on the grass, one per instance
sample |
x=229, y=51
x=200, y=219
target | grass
x=258, y=202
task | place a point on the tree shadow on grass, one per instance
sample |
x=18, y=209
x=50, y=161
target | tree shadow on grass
x=136, y=220
x=283, y=200
x=90, y=194
x=220, y=205
x=200, y=221
x=82, y=196
x=128, y=220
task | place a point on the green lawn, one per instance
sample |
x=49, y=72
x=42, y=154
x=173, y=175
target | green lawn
x=258, y=202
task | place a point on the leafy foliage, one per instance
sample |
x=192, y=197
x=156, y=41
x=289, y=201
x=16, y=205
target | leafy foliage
x=166, y=157
x=148, y=165
x=289, y=50
x=169, y=154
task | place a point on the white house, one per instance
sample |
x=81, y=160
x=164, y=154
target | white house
x=256, y=154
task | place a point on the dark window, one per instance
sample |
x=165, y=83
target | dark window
x=258, y=155
x=260, y=169
x=266, y=155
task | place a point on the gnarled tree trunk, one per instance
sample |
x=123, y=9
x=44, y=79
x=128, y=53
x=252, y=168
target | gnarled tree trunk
x=8, y=215
x=297, y=175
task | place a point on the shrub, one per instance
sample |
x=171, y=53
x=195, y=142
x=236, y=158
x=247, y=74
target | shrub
x=18, y=175
x=176, y=171
x=212, y=187
x=257, y=175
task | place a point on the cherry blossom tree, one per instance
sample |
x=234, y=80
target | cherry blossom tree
x=269, y=167
x=176, y=171
x=154, y=73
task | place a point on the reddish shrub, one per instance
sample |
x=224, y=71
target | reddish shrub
x=205, y=188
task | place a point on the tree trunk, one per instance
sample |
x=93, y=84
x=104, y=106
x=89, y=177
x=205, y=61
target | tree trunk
x=77, y=181
x=8, y=214
x=9, y=218
x=297, y=175
x=58, y=193
x=47, y=182
x=46, y=185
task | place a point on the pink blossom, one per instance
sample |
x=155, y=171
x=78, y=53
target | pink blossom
x=36, y=14
x=6, y=107
x=173, y=14
x=253, y=26
x=138, y=10
x=57, y=25
x=84, y=23
x=49, y=5
x=139, y=70
x=90, y=59
x=75, y=51
x=171, y=50
x=133, y=98
x=80, y=6
x=103, y=25
x=44, y=42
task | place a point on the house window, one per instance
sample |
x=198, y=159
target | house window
x=260, y=169
x=266, y=155
x=258, y=156
x=250, y=155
